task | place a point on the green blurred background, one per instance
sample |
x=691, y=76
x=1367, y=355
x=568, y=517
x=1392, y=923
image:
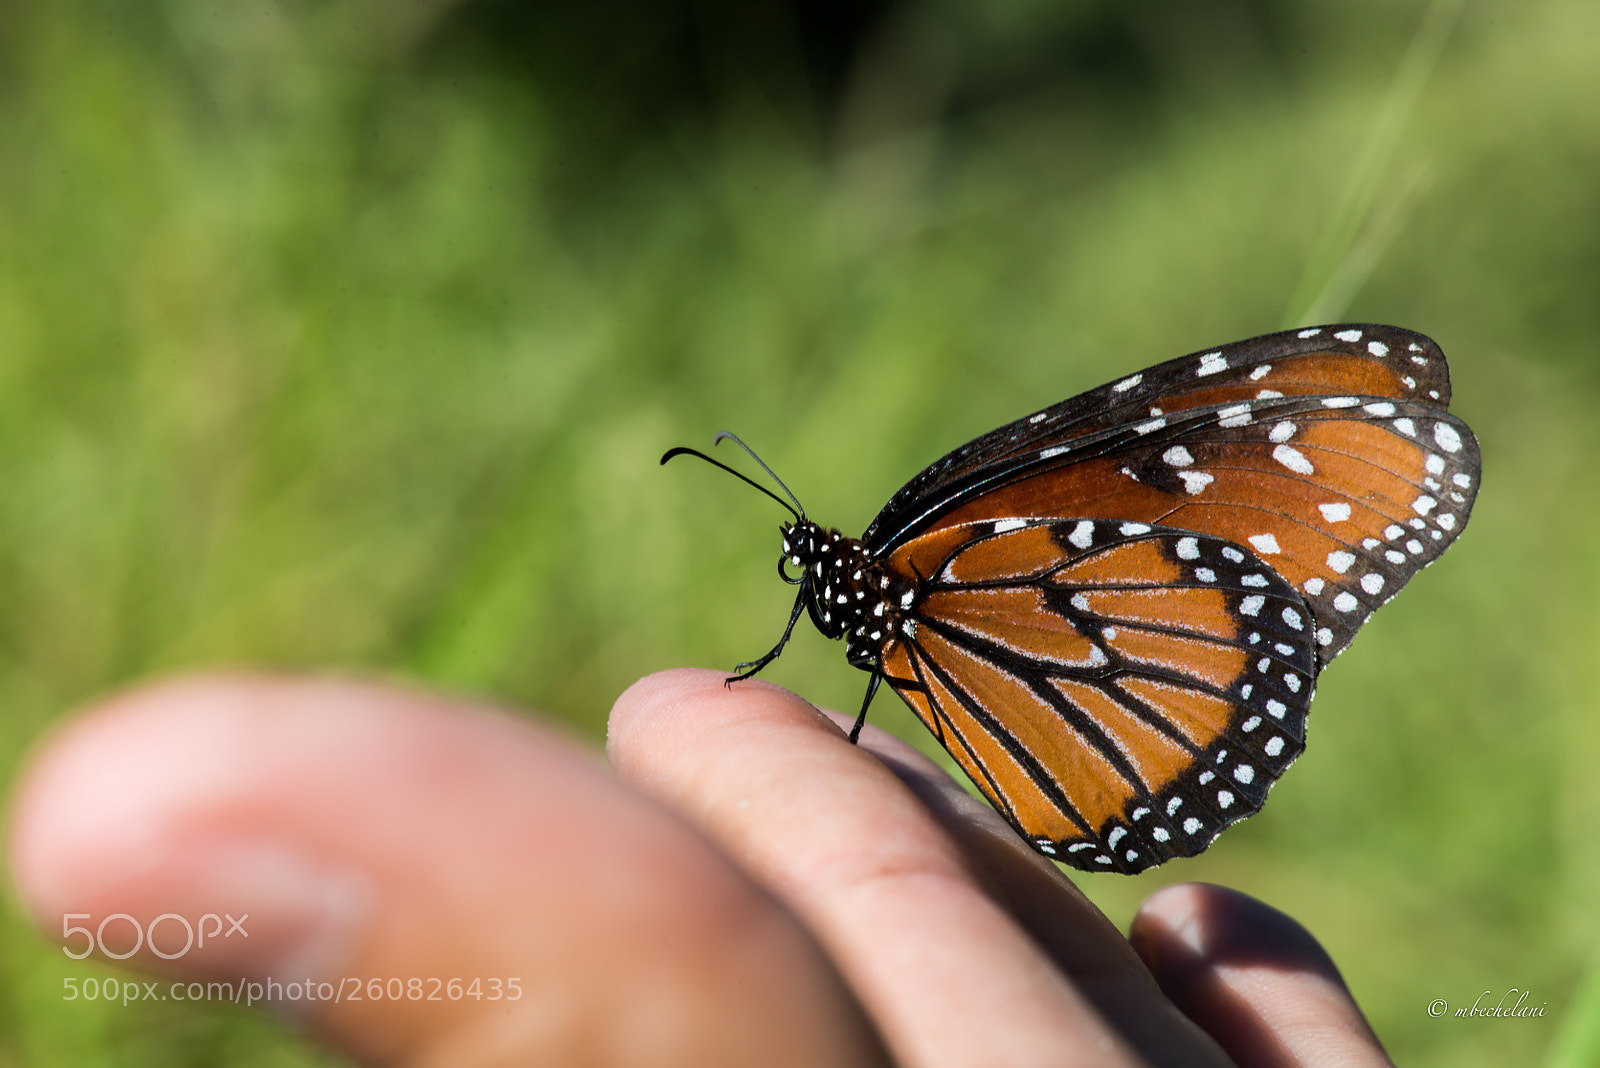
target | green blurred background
x=345, y=336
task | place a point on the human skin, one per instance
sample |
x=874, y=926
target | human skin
x=741, y=886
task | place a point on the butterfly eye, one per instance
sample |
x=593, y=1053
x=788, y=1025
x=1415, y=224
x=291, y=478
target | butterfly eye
x=783, y=573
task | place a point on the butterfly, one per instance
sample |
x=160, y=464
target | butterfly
x=1112, y=612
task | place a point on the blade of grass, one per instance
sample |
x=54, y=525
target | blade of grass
x=1577, y=1042
x=1342, y=258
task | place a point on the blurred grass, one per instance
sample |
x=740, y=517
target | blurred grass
x=332, y=344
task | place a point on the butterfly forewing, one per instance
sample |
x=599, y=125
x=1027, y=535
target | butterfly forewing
x=1346, y=495
x=1120, y=692
x=1380, y=362
x=1346, y=501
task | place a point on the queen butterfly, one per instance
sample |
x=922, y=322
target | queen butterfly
x=1112, y=612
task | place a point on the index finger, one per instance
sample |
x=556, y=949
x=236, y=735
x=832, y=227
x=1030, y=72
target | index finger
x=948, y=974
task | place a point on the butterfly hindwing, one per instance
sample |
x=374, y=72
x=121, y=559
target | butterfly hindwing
x=1120, y=692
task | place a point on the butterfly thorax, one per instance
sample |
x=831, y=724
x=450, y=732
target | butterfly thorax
x=848, y=594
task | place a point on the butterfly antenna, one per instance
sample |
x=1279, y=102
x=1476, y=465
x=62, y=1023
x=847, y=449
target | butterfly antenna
x=797, y=510
x=800, y=509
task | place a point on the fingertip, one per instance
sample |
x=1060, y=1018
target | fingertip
x=1183, y=931
x=86, y=797
x=669, y=713
x=1252, y=977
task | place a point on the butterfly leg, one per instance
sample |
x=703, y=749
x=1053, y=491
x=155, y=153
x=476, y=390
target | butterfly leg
x=872, y=688
x=750, y=667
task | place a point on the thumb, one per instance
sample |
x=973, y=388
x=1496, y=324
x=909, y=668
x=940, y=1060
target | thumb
x=418, y=880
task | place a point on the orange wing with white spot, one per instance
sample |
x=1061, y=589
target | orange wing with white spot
x=1125, y=682
x=1120, y=692
x=1344, y=494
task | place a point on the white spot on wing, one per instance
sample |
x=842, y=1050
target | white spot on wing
x=1348, y=335
x=1188, y=549
x=1251, y=605
x=1313, y=332
x=1282, y=432
x=1265, y=543
x=1210, y=364
x=1054, y=450
x=1152, y=425
x=1130, y=529
x=1378, y=348
x=1334, y=513
x=1127, y=383
x=1003, y=525
x=1178, y=456
x=1340, y=560
x=1195, y=481
x=1446, y=436
x=1293, y=459
x=1260, y=372
x=1082, y=535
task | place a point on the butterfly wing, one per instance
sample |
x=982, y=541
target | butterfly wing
x=1360, y=359
x=1327, y=451
x=1120, y=692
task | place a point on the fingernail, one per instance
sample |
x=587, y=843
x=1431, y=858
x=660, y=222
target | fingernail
x=270, y=910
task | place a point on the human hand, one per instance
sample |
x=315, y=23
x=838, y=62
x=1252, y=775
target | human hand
x=747, y=888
